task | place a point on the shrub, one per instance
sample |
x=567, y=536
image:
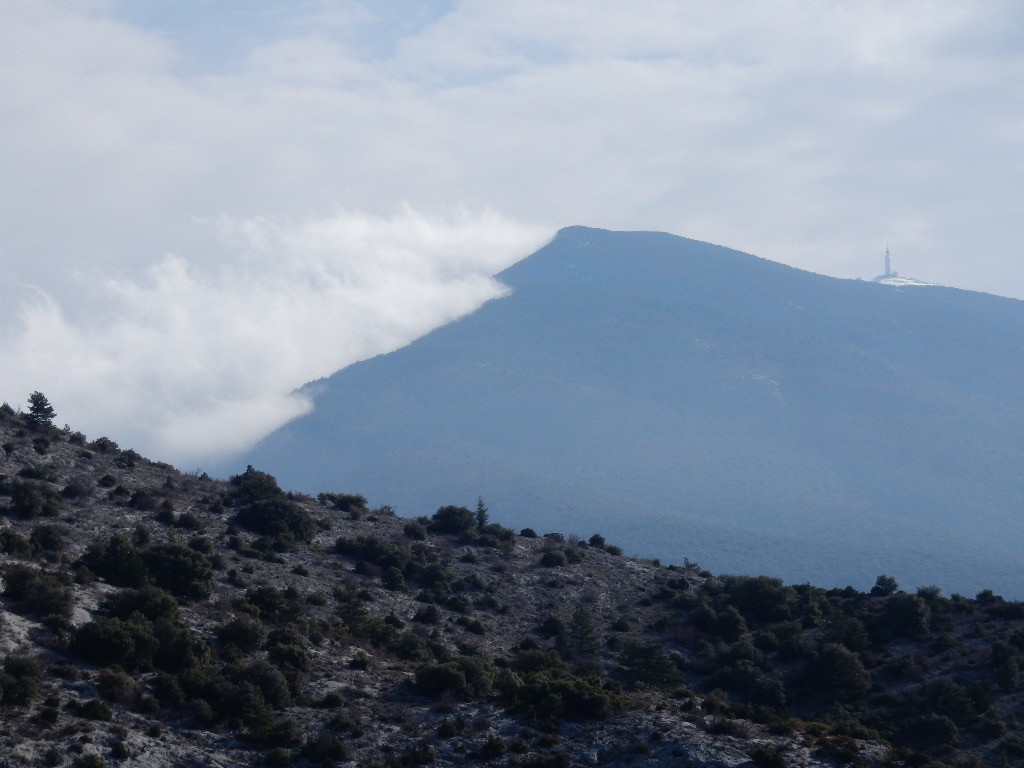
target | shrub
x=838, y=670
x=392, y=579
x=113, y=684
x=767, y=757
x=117, y=560
x=183, y=572
x=277, y=517
x=94, y=709
x=930, y=730
x=242, y=633
x=143, y=501
x=884, y=586
x=14, y=544
x=324, y=749
x=428, y=614
x=760, y=599
x=91, y=760
x=554, y=558
x=848, y=631
x=646, y=663
x=452, y=519
x=151, y=602
x=37, y=592
x=539, y=684
x=904, y=615
x=381, y=553
x=46, y=538
x=343, y=502
x=415, y=530
x=274, y=605
x=270, y=682
x=108, y=641
x=30, y=500
x=76, y=489
x=19, y=680
x=465, y=677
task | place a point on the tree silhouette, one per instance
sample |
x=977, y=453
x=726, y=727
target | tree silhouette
x=40, y=412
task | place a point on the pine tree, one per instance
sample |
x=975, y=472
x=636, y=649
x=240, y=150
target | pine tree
x=40, y=412
x=481, y=513
x=582, y=635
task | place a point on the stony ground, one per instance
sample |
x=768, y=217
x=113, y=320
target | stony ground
x=355, y=696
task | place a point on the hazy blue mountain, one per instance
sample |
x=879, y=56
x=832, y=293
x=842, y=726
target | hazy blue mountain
x=688, y=400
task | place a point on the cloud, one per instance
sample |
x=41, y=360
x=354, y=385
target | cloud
x=198, y=359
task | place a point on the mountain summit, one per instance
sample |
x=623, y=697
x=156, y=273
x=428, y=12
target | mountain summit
x=889, y=277
x=684, y=398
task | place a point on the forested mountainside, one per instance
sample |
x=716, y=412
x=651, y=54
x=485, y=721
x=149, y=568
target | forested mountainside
x=154, y=618
x=689, y=400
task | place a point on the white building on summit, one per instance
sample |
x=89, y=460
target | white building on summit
x=895, y=278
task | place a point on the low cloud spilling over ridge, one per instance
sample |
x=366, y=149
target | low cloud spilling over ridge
x=192, y=361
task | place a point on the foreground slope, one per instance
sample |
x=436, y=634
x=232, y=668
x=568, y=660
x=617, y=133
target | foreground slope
x=150, y=618
x=689, y=400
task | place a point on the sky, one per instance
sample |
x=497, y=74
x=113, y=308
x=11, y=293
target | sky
x=207, y=203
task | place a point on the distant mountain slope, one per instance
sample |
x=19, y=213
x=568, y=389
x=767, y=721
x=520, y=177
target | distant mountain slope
x=688, y=400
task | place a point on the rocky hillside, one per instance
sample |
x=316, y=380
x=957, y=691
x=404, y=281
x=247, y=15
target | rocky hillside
x=154, y=618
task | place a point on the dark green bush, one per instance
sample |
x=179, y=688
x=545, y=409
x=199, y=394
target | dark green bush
x=143, y=501
x=19, y=680
x=415, y=530
x=46, y=539
x=343, y=502
x=760, y=599
x=14, y=544
x=452, y=519
x=903, y=615
x=264, y=508
x=30, y=500
x=114, y=684
x=647, y=663
x=466, y=677
x=324, y=749
x=273, y=605
x=839, y=671
x=117, y=560
x=107, y=641
x=151, y=602
x=277, y=517
x=379, y=552
x=183, y=572
x=242, y=633
x=554, y=558
x=94, y=709
x=767, y=757
x=540, y=685
x=37, y=592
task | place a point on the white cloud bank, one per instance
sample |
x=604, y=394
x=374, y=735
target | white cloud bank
x=197, y=360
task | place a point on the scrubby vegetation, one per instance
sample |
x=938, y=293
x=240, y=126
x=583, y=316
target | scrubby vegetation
x=151, y=612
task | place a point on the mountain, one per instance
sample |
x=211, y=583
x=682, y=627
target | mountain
x=687, y=400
